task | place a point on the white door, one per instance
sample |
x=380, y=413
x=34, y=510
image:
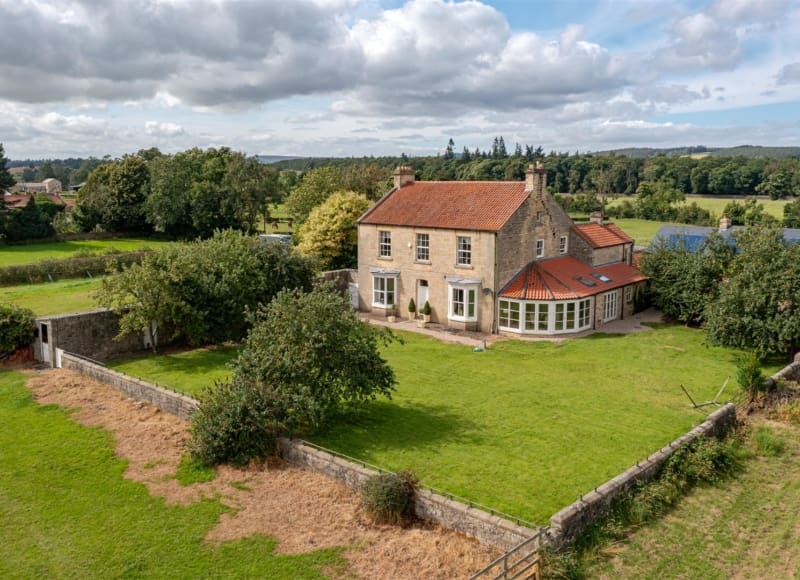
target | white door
x=353, y=290
x=422, y=296
x=44, y=334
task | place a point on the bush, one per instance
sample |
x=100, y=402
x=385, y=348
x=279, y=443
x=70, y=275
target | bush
x=388, y=498
x=236, y=423
x=16, y=328
x=749, y=375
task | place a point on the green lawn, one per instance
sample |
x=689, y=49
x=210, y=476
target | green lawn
x=525, y=427
x=32, y=253
x=745, y=528
x=187, y=372
x=642, y=231
x=53, y=297
x=67, y=511
x=716, y=205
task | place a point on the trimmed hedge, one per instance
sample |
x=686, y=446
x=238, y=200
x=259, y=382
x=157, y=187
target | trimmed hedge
x=77, y=267
x=16, y=328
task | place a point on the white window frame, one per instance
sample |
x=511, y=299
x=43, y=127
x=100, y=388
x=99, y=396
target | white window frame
x=462, y=298
x=628, y=294
x=610, y=306
x=384, y=244
x=463, y=251
x=538, y=217
x=541, y=317
x=384, y=290
x=562, y=245
x=423, y=249
x=539, y=248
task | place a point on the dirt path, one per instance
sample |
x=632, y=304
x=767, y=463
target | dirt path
x=302, y=510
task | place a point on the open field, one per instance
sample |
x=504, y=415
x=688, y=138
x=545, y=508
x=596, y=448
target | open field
x=525, y=427
x=745, y=528
x=642, y=231
x=716, y=204
x=68, y=512
x=187, y=371
x=32, y=253
x=53, y=297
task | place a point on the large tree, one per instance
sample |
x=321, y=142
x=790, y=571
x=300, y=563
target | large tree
x=202, y=290
x=6, y=179
x=331, y=234
x=759, y=301
x=317, y=186
x=684, y=282
x=314, y=352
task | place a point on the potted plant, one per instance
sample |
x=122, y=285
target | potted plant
x=426, y=312
x=412, y=309
x=390, y=312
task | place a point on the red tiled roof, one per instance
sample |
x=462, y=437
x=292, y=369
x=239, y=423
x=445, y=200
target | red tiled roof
x=602, y=235
x=458, y=205
x=14, y=201
x=560, y=279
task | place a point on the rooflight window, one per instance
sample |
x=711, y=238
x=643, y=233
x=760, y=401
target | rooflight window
x=601, y=277
x=586, y=282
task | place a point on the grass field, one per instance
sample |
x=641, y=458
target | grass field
x=745, y=528
x=32, y=253
x=642, y=231
x=717, y=204
x=67, y=511
x=525, y=427
x=187, y=372
x=53, y=297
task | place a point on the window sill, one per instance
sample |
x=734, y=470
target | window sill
x=423, y=262
x=465, y=266
x=386, y=258
x=462, y=319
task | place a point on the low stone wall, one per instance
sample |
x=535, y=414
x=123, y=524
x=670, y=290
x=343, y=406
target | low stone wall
x=340, y=278
x=168, y=401
x=429, y=506
x=574, y=519
x=791, y=372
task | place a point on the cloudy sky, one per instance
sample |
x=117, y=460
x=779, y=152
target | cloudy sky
x=373, y=77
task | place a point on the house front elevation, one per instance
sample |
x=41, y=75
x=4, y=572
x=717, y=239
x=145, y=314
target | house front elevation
x=491, y=256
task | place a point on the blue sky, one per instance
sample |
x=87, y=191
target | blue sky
x=376, y=77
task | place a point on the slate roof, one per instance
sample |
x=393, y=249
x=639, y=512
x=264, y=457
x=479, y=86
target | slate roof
x=458, y=205
x=692, y=237
x=567, y=278
x=602, y=235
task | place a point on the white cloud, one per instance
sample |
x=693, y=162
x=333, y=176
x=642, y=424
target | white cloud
x=156, y=129
x=789, y=74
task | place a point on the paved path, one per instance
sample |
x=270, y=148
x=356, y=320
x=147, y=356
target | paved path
x=437, y=331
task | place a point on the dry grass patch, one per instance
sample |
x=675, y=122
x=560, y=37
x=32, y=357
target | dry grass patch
x=302, y=510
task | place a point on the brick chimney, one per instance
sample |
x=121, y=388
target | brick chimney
x=403, y=175
x=724, y=223
x=536, y=179
x=596, y=217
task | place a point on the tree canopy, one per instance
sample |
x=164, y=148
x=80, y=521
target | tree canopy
x=201, y=291
x=315, y=352
x=330, y=235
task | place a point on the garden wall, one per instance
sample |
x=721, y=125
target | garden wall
x=429, y=506
x=486, y=528
x=166, y=400
x=574, y=519
x=90, y=334
x=791, y=372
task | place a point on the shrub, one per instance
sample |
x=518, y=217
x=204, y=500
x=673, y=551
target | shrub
x=426, y=309
x=236, y=423
x=768, y=443
x=16, y=328
x=389, y=497
x=412, y=306
x=749, y=375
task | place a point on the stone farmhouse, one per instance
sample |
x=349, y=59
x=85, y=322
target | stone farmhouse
x=494, y=257
x=49, y=185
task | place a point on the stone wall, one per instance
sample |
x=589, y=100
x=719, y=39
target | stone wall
x=429, y=506
x=91, y=334
x=791, y=372
x=341, y=279
x=168, y=401
x=574, y=519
